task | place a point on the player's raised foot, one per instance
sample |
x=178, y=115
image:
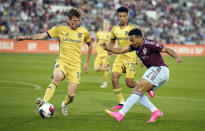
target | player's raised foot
x=155, y=115
x=118, y=106
x=39, y=102
x=64, y=109
x=151, y=93
x=104, y=85
x=117, y=115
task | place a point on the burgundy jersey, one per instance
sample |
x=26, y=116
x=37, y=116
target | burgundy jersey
x=149, y=53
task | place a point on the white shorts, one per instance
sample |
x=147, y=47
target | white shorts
x=157, y=75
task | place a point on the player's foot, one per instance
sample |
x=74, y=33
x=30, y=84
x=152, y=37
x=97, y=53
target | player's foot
x=151, y=93
x=104, y=85
x=64, y=109
x=118, y=106
x=155, y=115
x=117, y=115
x=39, y=102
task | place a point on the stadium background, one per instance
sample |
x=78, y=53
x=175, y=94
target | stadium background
x=182, y=99
x=170, y=21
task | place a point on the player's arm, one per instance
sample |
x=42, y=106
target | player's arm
x=117, y=50
x=111, y=45
x=88, y=57
x=171, y=53
x=88, y=42
x=39, y=36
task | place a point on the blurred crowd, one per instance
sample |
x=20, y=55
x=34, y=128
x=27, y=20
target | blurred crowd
x=169, y=21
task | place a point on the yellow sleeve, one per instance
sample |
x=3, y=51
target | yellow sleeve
x=52, y=32
x=112, y=35
x=87, y=37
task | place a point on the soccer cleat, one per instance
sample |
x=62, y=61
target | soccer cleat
x=155, y=115
x=151, y=93
x=64, y=109
x=118, y=106
x=39, y=102
x=104, y=85
x=115, y=115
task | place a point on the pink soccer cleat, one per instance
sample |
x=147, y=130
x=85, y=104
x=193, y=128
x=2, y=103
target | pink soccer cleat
x=155, y=115
x=118, y=106
x=115, y=115
x=151, y=93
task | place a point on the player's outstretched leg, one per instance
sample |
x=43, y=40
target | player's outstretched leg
x=155, y=115
x=117, y=115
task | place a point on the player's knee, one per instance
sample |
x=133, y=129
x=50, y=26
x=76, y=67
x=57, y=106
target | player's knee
x=130, y=83
x=114, y=79
x=58, y=76
x=140, y=88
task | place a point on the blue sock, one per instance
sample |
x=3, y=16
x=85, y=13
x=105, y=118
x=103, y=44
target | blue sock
x=134, y=98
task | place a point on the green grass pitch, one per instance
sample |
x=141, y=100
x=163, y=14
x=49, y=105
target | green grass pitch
x=182, y=98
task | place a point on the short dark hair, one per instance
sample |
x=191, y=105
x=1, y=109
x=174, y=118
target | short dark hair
x=122, y=9
x=136, y=32
x=74, y=12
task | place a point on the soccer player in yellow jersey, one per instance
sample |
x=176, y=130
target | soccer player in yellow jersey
x=102, y=59
x=68, y=64
x=124, y=62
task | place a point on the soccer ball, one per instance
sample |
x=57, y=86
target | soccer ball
x=46, y=110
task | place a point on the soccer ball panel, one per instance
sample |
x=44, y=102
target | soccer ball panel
x=46, y=110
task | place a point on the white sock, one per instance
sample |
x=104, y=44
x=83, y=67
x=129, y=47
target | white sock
x=134, y=98
x=144, y=101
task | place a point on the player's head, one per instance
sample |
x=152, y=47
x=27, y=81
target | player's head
x=122, y=14
x=74, y=17
x=135, y=36
x=106, y=25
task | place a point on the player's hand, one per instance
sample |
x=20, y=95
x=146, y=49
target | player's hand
x=179, y=60
x=19, y=38
x=86, y=68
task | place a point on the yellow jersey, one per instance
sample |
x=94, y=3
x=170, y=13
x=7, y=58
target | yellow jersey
x=102, y=37
x=123, y=39
x=70, y=42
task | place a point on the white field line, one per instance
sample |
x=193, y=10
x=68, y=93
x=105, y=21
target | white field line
x=37, y=87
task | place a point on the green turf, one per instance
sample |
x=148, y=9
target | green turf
x=182, y=99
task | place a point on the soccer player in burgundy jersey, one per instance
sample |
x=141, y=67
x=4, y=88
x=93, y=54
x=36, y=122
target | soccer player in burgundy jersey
x=156, y=75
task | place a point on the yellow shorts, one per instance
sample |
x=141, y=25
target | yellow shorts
x=72, y=73
x=101, y=60
x=122, y=65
